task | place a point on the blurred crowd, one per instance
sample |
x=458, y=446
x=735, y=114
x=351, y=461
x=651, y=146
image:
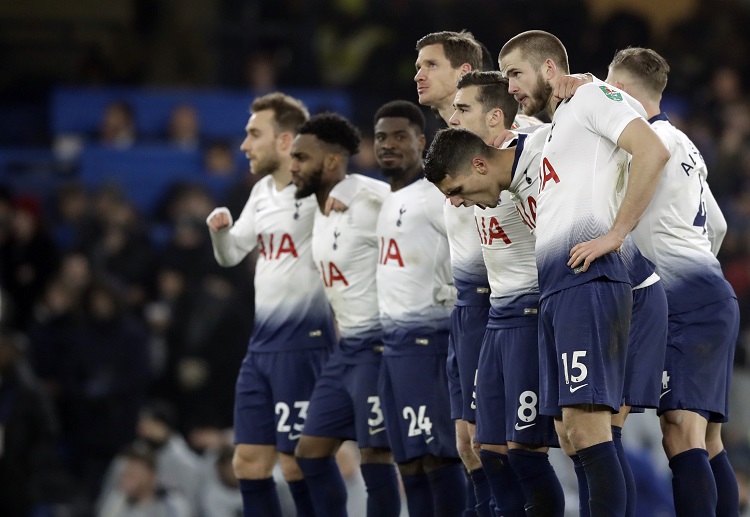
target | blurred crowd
x=121, y=337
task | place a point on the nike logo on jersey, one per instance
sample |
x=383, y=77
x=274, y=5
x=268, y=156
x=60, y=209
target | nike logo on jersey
x=373, y=432
x=573, y=390
x=522, y=427
x=660, y=396
x=428, y=440
x=294, y=437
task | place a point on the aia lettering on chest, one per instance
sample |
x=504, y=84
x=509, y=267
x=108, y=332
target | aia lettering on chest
x=527, y=211
x=547, y=173
x=275, y=248
x=490, y=230
x=390, y=253
x=332, y=274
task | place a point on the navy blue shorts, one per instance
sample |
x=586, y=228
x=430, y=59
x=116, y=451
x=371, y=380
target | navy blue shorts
x=454, y=381
x=508, y=390
x=698, y=364
x=468, y=324
x=414, y=397
x=272, y=396
x=647, y=344
x=583, y=339
x=345, y=404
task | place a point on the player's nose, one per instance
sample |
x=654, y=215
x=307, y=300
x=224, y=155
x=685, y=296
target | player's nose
x=458, y=201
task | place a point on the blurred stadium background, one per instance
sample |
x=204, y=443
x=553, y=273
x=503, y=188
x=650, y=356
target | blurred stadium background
x=120, y=123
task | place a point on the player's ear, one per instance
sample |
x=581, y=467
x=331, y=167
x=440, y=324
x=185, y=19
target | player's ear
x=285, y=139
x=550, y=68
x=332, y=161
x=495, y=118
x=479, y=165
x=466, y=67
x=422, y=143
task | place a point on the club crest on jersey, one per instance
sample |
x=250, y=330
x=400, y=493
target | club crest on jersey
x=336, y=234
x=297, y=204
x=400, y=215
x=611, y=94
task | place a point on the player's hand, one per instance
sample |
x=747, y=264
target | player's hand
x=218, y=221
x=568, y=84
x=587, y=252
x=506, y=136
x=334, y=205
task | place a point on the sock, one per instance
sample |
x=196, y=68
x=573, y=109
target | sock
x=302, y=501
x=418, y=495
x=259, y=498
x=630, y=489
x=693, y=484
x=383, y=495
x=544, y=494
x=470, y=498
x=325, y=484
x=607, y=495
x=482, y=493
x=448, y=486
x=506, y=490
x=726, y=486
x=583, y=487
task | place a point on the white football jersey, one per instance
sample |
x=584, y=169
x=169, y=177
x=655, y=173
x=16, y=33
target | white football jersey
x=506, y=234
x=672, y=231
x=467, y=265
x=291, y=309
x=345, y=250
x=581, y=173
x=467, y=261
x=415, y=286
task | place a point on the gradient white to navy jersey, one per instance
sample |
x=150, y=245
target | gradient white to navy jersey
x=291, y=309
x=581, y=172
x=467, y=265
x=508, y=243
x=415, y=285
x=345, y=250
x=672, y=231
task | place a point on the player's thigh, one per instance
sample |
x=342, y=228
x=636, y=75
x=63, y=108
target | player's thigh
x=254, y=421
x=413, y=393
x=330, y=413
x=647, y=344
x=591, y=323
x=699, y=360
x=490, y=390
x=520, y=359
x=368, y=417
x=468, y=325
x=292, y=377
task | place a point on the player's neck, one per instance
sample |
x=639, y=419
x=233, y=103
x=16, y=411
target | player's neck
x=282, y=176
x=502, y=166
x=552, y=106
x=402, y=180
x=325, y=190
x=444, y=108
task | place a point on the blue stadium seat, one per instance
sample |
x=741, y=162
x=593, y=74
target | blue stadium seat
x=222, y=113
x=145, y=173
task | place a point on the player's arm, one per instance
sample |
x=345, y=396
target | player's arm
x=716, y=224
x=232, y=241
x=567, y=85
x=343, y=193
x=649, y=156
